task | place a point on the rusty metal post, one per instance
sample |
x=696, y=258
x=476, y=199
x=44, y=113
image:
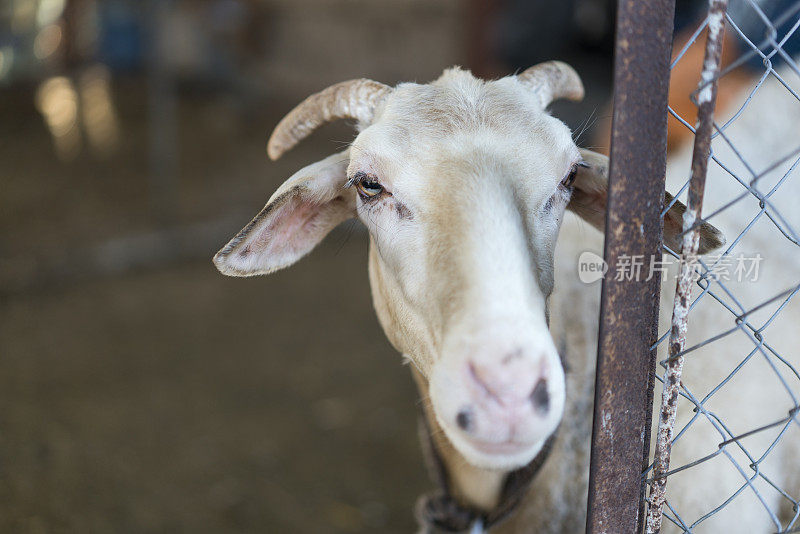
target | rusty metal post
x=706, y=100
x=629, y=308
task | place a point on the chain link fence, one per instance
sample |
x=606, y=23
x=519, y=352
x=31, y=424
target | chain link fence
x=727, y=452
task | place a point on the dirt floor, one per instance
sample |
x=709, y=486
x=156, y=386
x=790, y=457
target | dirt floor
x=178, y=400
x=170, y=398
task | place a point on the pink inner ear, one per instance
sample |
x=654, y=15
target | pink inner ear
x=289, y=230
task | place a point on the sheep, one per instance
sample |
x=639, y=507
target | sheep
x=463, y=185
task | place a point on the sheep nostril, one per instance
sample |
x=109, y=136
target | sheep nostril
x=464, y=419
x=540, y=397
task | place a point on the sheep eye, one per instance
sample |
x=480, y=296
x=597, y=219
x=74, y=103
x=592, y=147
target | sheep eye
x=368, y=187
x=570, y=178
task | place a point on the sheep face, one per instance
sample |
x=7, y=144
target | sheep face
x=463, y=185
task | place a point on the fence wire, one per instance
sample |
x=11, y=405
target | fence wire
x=743, y=330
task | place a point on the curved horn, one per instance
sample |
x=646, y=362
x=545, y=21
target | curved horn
x=353, y=99
x=552, y=80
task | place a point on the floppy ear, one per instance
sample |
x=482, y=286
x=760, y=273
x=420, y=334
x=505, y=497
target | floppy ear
x=296, y=218
x=589, y=202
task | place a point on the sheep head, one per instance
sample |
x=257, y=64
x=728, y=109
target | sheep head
x=463, y=185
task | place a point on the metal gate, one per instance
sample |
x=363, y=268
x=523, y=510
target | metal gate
x=629, y=487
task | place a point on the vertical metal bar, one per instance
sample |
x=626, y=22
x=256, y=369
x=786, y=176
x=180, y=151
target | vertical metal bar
x=629, y=308
x=706, y=100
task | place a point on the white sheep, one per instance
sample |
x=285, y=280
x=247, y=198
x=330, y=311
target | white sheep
x=463, y=185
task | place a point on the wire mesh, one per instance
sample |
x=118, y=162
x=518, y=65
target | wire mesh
x=736, y=447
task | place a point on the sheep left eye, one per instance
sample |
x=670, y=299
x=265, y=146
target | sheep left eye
x=367, y=187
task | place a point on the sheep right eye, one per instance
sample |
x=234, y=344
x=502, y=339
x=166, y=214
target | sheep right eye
x=369, y=189
x=570, y=178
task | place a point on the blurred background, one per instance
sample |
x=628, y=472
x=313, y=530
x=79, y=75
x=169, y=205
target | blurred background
x=142, y=391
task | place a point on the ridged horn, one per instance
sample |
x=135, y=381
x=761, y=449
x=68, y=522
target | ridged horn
x=552, y=80
x=353, y=99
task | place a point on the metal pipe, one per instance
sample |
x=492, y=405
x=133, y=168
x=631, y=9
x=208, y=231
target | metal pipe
x=629, y=308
